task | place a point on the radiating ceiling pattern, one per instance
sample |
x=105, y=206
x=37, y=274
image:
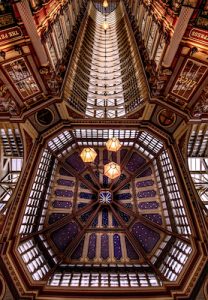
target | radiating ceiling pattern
x=67, y=225
x=69, y=229
x=108, y=81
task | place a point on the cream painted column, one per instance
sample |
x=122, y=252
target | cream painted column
x=155, y=43
x=63, y=26
x=29, y=23
x=85, y=248
x=72, y=16
x=147, y=29
x=179, y=31
x=124, y=257
x=134, y=9
x=99, y=225
x=98, y=248
x=111, y=248
x=140, y=16
x=110, y=219
x=33, y=3
x=55, y=43
x=28, y=127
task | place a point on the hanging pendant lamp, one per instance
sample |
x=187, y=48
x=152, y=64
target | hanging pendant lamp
x=112, y=170
x=88, y=155
x=113, y=144
x=105, y=3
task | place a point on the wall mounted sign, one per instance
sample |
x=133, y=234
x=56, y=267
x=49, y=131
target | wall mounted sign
x=199, y=35
x=10, y=33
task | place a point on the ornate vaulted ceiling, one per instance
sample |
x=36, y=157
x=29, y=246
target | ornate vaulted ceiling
x=82, y=229
x=72, y=75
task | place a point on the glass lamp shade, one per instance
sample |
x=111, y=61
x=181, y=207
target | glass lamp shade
x=105, y=3
x=112, y=170
x=113, y=144
x=88, y=155
x=105, y=25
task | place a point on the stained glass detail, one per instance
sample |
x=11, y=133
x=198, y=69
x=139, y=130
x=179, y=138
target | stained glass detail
x=75, y=161
x=54, y=217
x=131, y=253
x=81, y=205
x=124, y=216
x=92, y=246
x=148, y=205
x=78, y=251
x=146, y=236
x=144, y=183
x=105, y=197
x=64, y=193
x=86, y=216
x=105, y=217
x=114, y=222
x=88, y=177
x=146, y=173
x=65, y=182
x=63, y=236
x=104, y=246
x=95, y=222
x=156, y=218
x=135, y=162
x=62, y=204
x=146, y=194
x=117, y=246
x=124, y=196
x=88, y=196
x=64, y=172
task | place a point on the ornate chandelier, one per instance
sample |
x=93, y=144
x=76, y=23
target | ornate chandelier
x=112, y=170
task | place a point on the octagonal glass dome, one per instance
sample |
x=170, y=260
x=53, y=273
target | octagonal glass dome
x=70, y=239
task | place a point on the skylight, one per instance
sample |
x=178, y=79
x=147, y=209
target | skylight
x=77, y=212
x=110, y=81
